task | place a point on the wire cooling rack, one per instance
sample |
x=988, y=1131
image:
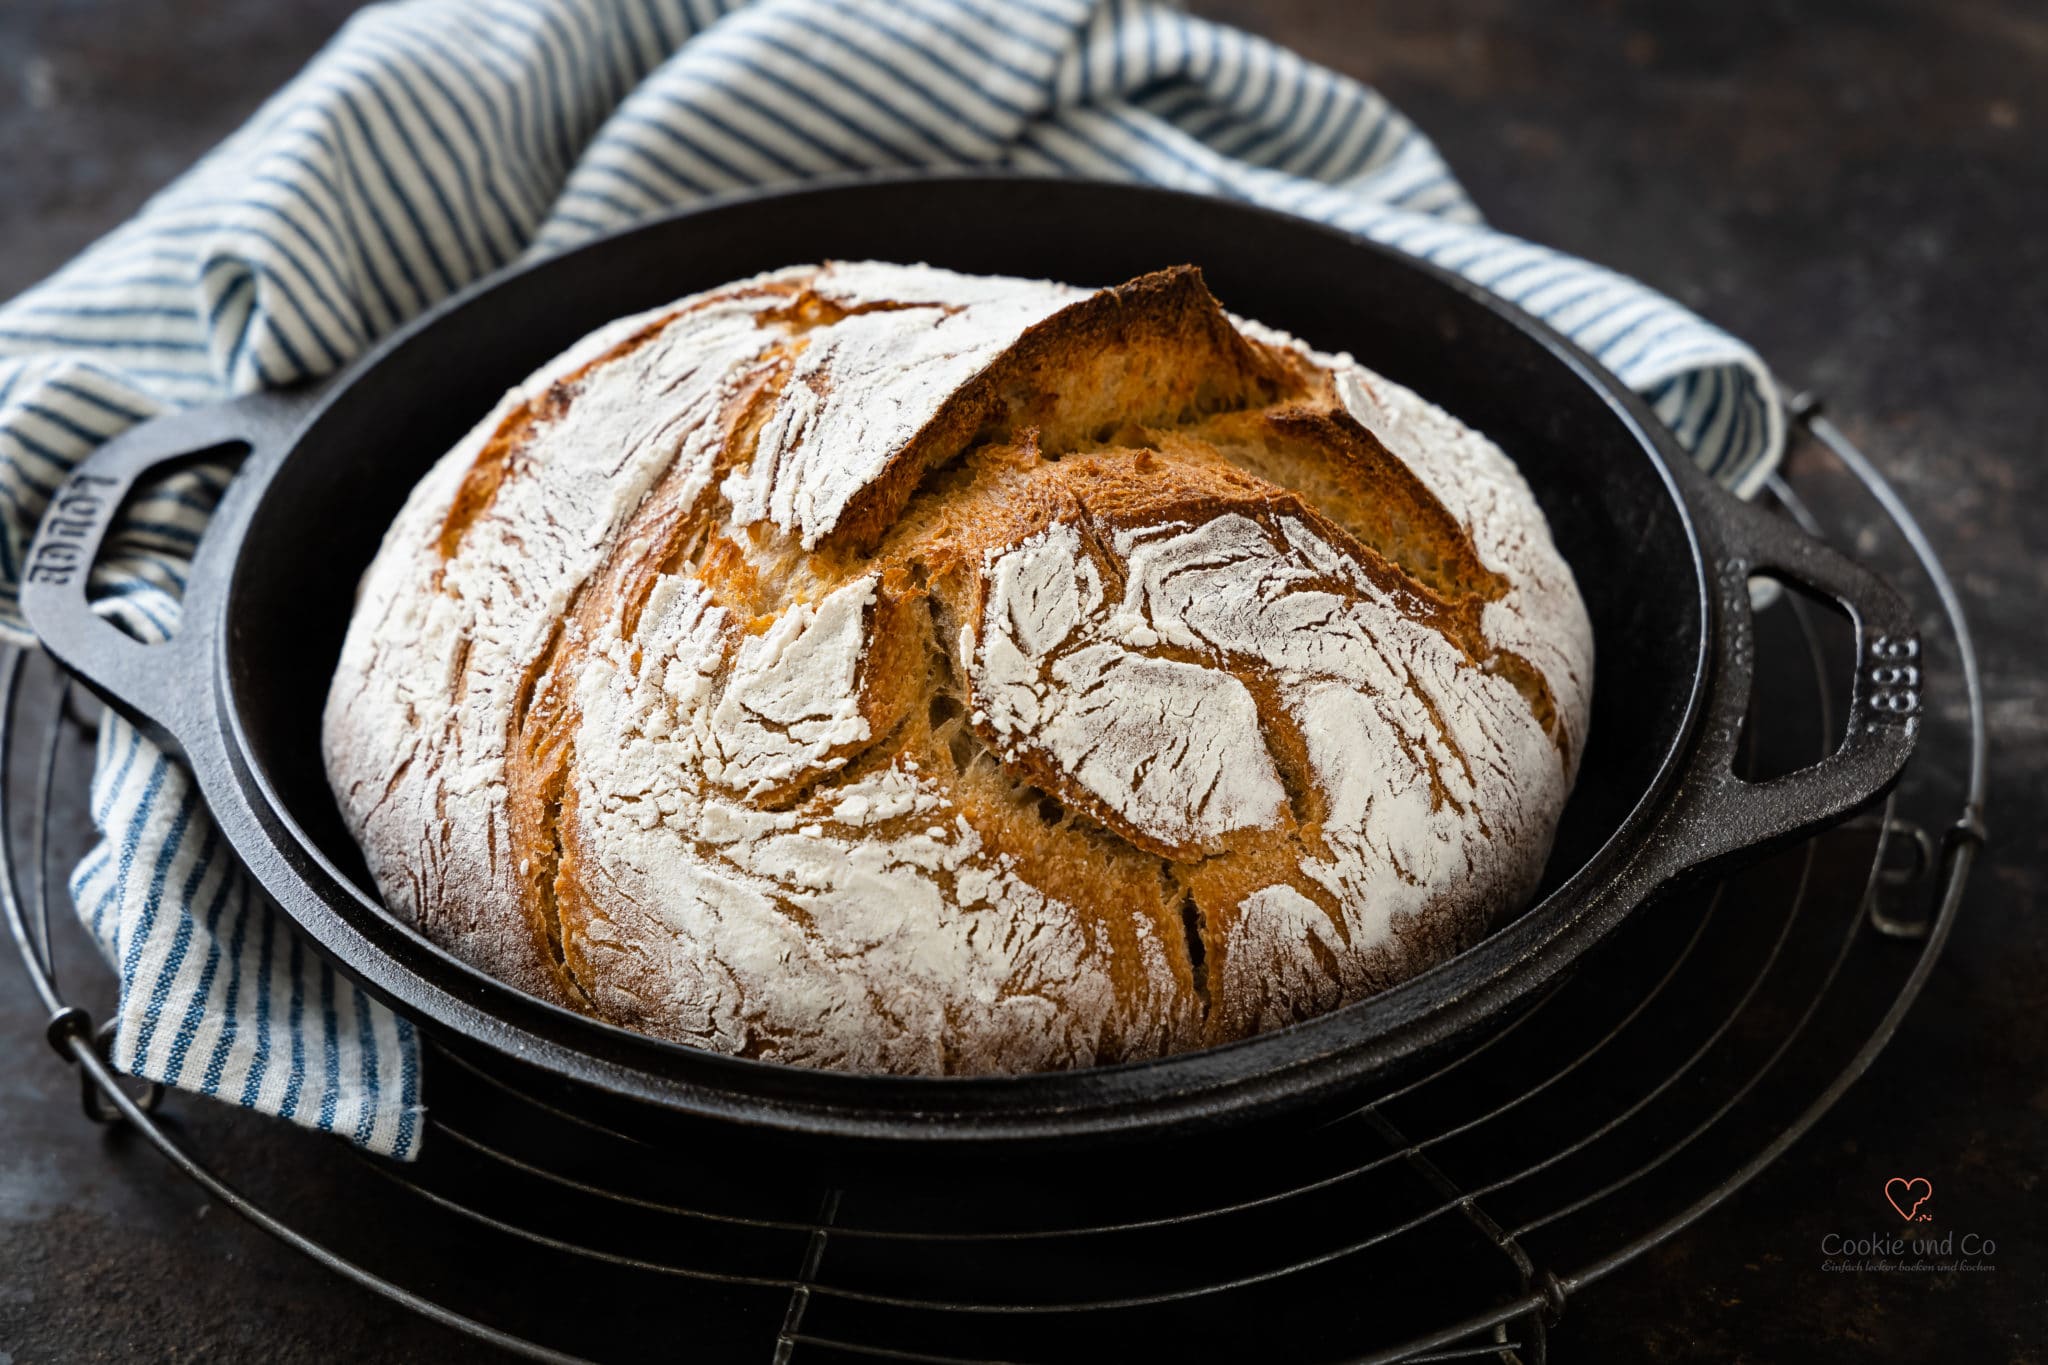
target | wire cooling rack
x=1452, y=1216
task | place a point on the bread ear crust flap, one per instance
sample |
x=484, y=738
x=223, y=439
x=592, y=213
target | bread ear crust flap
x=1157, y=350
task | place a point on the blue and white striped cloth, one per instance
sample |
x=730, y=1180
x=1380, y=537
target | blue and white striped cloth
x=436, y=140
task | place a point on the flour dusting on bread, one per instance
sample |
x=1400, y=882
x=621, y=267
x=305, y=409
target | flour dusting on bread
x=873, y=667
x=1171, y=747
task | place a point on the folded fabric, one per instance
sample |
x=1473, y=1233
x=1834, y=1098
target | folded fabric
x=434, y=141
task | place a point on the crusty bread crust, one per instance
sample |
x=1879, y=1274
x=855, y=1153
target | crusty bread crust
x=873, y=667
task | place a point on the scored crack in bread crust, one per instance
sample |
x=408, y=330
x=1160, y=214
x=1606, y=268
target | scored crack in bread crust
x=874, y=667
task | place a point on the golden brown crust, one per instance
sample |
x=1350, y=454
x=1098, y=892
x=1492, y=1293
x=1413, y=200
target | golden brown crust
x=1063, y=737
x=1155, y=350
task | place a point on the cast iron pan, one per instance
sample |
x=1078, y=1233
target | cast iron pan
x=1662, y=557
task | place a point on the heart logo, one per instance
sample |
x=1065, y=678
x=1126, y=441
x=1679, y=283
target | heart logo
x=1908, y=1195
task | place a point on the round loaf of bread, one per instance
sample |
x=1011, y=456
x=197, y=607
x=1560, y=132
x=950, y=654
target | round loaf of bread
x=874, y=667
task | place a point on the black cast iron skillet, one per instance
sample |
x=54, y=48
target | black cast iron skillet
x=1662, y=557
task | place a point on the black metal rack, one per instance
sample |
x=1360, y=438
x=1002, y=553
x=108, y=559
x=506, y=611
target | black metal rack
x=1452, y=1217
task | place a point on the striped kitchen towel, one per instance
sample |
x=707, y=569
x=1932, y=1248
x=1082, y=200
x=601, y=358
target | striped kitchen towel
x=434, y=141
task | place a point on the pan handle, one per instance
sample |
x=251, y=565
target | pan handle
x=164, y=688
x=1716, y=814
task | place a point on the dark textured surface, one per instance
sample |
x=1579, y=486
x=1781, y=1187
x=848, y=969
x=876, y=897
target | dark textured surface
x=1858, y=188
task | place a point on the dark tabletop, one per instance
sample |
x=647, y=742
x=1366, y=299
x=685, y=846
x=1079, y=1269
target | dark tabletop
x=1860, y=189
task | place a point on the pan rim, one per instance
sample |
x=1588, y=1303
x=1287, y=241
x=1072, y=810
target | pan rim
x=478, y=1009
